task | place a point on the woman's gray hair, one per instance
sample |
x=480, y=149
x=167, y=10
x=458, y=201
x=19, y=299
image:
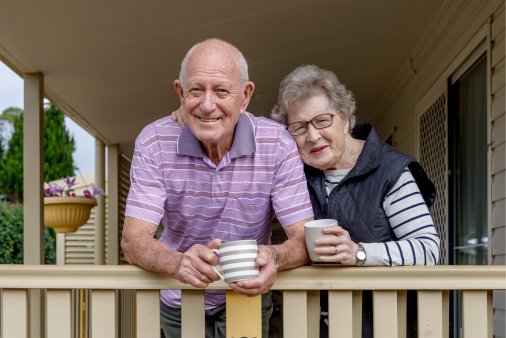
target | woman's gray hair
x=307, y=81
x=242, y=65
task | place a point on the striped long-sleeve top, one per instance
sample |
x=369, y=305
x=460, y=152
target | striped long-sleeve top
x=417, y=240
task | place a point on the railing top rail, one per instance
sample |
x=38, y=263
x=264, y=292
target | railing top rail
x=463, y=277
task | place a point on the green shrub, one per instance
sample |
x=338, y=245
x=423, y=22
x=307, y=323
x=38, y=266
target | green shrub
x=11, y=236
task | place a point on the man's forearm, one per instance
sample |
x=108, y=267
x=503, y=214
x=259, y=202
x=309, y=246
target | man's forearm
x=142, y=249
x=292, y=253
x=154, y=256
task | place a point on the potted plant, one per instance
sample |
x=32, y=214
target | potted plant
x=64, y=211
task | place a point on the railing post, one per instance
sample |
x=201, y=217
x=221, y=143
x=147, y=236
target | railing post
x=476, y=313
x=193, y=319
x=244, y=315
x=103, y=314
x=59, y=310
x=14, y=314
x=147, y=313
x=295, y=314
x=385, y=314
x=433, y=317
x=345, y=314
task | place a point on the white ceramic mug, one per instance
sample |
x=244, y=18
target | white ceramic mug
x=237, y=260
x=313, y=230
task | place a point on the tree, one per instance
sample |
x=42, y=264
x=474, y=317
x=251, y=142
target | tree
x=59, y=146
x=11, y=236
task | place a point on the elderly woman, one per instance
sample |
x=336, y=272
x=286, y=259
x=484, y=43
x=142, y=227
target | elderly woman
x=378, y=195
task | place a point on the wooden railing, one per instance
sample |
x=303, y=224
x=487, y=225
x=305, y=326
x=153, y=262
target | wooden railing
x=300, y=299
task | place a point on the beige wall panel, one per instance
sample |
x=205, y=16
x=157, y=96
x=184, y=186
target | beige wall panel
x=498, y=104
x=498, y=212
x=498, y=186
x=500, y=298
x=497, y=22
x=498, y=236
x=498, y=77
x=498, y=131
x=499, y=260
x=497, y=55
x=499, y=323
x=498, y=159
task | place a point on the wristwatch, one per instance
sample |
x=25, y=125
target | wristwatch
x=360, y=255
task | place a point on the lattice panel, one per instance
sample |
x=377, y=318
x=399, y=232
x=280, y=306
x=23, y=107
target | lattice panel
x=434, y=158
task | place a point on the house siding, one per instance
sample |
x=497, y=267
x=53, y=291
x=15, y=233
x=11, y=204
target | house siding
x=437, y=55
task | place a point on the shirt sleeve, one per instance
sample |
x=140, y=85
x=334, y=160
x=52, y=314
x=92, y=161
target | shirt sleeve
x=410, y=219
x=147, y=194
x=289, y=196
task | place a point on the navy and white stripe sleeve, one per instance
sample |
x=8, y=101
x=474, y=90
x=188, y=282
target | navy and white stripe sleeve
x=408, y=215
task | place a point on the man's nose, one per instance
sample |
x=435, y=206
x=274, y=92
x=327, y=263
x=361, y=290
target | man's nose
x=208, y=102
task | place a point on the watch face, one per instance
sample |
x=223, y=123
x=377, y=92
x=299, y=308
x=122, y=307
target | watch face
x=360, y=255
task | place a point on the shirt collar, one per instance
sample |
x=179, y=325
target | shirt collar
x=243, y=143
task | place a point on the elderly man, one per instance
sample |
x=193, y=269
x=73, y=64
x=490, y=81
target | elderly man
x=222, y=178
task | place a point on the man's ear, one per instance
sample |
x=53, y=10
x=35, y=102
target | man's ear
x=179, y=90
x=248, y=93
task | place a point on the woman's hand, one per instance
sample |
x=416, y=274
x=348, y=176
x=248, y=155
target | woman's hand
x=179, y=116
x=336, y=246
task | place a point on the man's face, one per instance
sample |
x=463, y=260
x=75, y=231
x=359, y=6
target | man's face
x=213, y=97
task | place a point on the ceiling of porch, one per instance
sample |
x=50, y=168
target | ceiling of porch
x=110, y=65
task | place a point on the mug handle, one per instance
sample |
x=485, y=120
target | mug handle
x=219, y=274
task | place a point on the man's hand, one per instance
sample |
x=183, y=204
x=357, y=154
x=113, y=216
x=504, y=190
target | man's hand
x=194, y=266
x=179, y=116
x=266, y=277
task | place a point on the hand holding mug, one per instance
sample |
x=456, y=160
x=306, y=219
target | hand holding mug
x=195, y=265
x=335, y=245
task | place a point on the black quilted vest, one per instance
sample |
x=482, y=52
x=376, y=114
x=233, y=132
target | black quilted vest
x=356, y=203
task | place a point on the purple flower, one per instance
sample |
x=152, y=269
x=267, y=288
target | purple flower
x=69, y=181
x=55, y=190
x=97, y=191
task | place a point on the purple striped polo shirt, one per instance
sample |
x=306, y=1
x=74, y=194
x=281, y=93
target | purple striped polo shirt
x=175, y=183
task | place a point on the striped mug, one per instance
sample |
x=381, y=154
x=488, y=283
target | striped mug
x=237, y=260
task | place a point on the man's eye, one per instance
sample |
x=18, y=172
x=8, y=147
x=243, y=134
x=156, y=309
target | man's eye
x=221, y=93
x=196, y=91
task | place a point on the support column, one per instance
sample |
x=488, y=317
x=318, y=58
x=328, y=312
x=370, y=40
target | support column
x=112, y=205
x=33, y=185
x=100, y=208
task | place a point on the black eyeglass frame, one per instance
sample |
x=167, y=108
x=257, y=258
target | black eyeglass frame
x=312, y=122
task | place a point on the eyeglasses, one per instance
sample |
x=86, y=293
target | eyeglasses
x=319, y=122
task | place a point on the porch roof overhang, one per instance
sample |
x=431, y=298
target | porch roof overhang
x=111, y=65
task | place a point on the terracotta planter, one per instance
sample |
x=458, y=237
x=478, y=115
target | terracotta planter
x=66, y=214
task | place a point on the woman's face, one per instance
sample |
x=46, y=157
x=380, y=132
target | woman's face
x=320, y=148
